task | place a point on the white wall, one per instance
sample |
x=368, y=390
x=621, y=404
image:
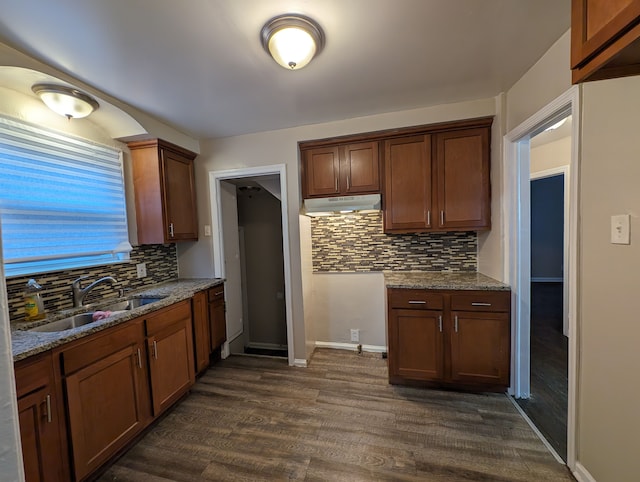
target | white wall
x=546, y=80
x=550, y=156
x=608, y=419
x=350, y=300
x=278, y=147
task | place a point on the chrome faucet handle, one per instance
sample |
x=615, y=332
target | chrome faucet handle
x=76, y=283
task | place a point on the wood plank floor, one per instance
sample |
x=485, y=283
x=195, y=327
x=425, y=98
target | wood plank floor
x=548, y=406
x=251, y=418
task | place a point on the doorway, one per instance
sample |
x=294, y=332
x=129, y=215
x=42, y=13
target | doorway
x=547, y=404
x=517, y=144
x=251, y=251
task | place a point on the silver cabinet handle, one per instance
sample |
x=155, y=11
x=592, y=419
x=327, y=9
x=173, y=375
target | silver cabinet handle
x=171, y=229
x=218, y=293
x=442, y=218
x=415, y=302
x=455, y=323
x=477, y=303
x=428, y=217
x=155, y=350
x=48, y=401
x=440, y=322
x=348, y=182
x=140, y=358
x=336, y=184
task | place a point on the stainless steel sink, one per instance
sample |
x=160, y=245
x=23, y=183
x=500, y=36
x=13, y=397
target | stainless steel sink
x=66, y=323
x=129, y=304
x=86, y=318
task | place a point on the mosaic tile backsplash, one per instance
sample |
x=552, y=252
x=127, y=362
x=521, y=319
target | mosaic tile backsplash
x=356, y=242
x=161, y=262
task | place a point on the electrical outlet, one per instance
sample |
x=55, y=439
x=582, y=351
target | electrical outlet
x=141, y=270
x=207, y=230
x=355, y=334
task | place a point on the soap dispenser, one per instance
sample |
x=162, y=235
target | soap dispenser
x=33, y=304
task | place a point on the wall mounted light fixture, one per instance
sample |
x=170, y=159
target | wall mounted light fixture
x=292, y=40
x=66, y=101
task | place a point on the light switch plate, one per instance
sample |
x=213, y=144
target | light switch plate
x=620, y=232
x=141, y=270
x=207, y=230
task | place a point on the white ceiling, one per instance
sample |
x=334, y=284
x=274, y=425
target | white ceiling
x=199, y=66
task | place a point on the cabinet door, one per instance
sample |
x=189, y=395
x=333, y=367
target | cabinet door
x=217, y=317
x=321, y=172
x=171, y=364
x=415, y=344
x=480, y=351
x=463, y=184
x=201, y=333
x=596, y=24
x=108, y=404
x=361, y=168
x=407, y=185
x=40, y=430
x=179, y=197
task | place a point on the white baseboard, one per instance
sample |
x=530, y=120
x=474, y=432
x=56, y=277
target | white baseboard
x=267, y=346
x=582, y=474
x=542, y=279
x=300, y=362
x=351, y=346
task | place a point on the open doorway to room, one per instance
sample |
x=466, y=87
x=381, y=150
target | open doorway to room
x=251, y=253
x=547, y=405
x=538, y=296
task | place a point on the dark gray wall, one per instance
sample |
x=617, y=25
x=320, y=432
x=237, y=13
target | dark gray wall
x=547, y=227
x=259, y=214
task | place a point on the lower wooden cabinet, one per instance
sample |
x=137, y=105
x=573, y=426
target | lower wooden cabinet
x=40, y=426
x=448, y=338
x=170, y=351
x=217, y=316
x=107, y=395
x=201, y=330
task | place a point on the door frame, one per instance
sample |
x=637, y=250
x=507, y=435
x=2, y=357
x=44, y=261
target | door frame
x=564, y=171
x=215, y=178
x=517, y=221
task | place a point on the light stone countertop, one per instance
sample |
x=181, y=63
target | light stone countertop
x=27, y=343
x=436, y=280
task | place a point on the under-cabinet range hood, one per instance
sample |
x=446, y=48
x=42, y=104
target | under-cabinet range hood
x=341, y=204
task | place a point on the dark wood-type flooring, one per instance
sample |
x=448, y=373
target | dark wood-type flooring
x=255, y=418
x=547, y=407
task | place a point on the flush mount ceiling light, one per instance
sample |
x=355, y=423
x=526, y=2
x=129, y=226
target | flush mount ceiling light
x=292, y=40
x=66, y=101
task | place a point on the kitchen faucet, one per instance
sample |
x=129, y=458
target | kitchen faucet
x=79, y=294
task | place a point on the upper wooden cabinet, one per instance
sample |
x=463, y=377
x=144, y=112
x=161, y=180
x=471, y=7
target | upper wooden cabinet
x=408, y=191
x=605, y=39
x=164, y=184
x=341, y=170
x=462, y=180
x=438, y=182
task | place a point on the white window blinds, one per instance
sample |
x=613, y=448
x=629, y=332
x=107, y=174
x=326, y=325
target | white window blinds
x=62, y=202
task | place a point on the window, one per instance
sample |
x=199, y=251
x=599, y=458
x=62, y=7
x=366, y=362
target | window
x=62, y=202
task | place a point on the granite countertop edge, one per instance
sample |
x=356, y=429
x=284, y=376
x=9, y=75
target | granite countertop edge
x=437, y=280
x=25, y=343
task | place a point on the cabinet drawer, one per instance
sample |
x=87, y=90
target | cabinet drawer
x=167, y=316
x=33, y=374
x=415, y=299
x=481, y=301
x=216, y=293
x=101, y=345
